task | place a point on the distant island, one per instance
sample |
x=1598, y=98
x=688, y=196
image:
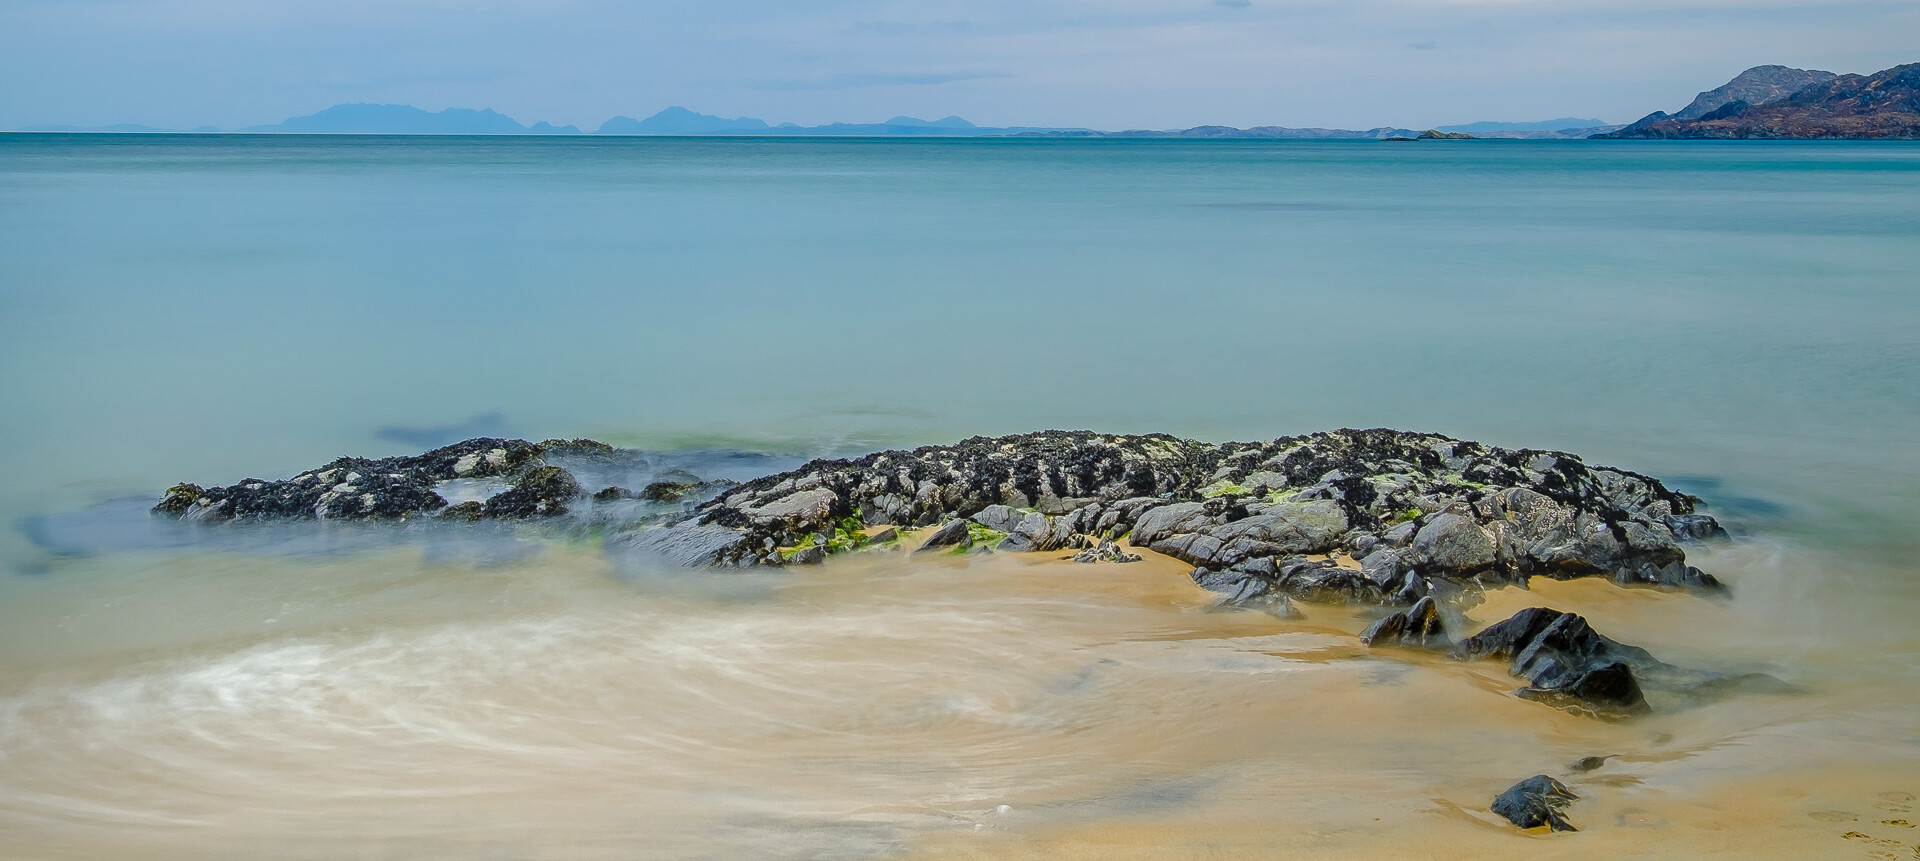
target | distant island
x=1778, y=103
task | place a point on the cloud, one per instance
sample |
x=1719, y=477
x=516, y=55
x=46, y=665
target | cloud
x=855, y=80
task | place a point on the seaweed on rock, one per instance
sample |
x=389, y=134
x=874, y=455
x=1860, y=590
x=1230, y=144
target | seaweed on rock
x=1417, y=511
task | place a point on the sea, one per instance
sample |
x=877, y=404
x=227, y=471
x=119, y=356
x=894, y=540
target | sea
x=1739, y=319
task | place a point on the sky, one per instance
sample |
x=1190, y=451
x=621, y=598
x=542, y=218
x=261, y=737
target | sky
x=1116, y=64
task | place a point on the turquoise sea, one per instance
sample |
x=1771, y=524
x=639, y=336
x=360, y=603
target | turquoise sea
x=1740, y=318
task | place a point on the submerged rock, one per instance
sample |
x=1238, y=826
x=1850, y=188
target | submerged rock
x=1539, y=800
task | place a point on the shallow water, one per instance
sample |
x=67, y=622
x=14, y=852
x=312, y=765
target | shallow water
x=1736, y=318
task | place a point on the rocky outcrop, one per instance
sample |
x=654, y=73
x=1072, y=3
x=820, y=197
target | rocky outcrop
x=1537, y=801
x=394, y=488
x=1882, y=106
x=1412, y=512
x=1353, y=516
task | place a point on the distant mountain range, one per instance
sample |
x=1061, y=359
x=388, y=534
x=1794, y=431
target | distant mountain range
x=368, y=119
x=1761, y=102
x=1778, y=103
x=409, y=120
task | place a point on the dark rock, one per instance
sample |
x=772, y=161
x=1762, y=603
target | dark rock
x=1452, y=544
x=179, y=498
x=1418, y=626
x=687, y=543
x=1105, y=551
x=355, y=488
x=1694, y=527
x=587, y=448
x=812, y=554
x=999, y=518
x=668, y=491
x=1413, y=588
x=883, y=536
x=465, y=511
x=545, y=491
x=1245, y=590
x=612, y=494
x=1539, y=800
x=954, y=534
x=1322, y=582
x=1565, y=663
x=1588, y=763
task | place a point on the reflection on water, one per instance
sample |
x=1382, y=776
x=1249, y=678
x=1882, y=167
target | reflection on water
x=403, y=703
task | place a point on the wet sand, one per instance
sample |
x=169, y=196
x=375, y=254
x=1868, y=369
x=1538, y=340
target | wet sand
x=887, y=704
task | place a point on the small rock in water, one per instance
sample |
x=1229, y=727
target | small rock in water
x=610, y=494
x=1538, y=800
x=1107, y=551
x=1589, y=763
x=883, y=536
x=1418, y=626
x=1565, y=663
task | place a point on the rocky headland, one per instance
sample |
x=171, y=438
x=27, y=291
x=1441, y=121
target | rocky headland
x=1418, y=525
x=1778, y=103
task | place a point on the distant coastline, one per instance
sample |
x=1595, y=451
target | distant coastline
x=368, y=119
x=1764, y=102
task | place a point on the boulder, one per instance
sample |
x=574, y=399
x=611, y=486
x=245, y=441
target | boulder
x=688, y=543
x=999, y=518
x=1566, y=664
x=1417, y=627
x=1105, y=551
x=1453, y=544
x=954, y=534
x=1535, y=802
x=1245, y=590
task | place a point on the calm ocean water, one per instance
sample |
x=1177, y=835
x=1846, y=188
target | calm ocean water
x=1740, y=318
